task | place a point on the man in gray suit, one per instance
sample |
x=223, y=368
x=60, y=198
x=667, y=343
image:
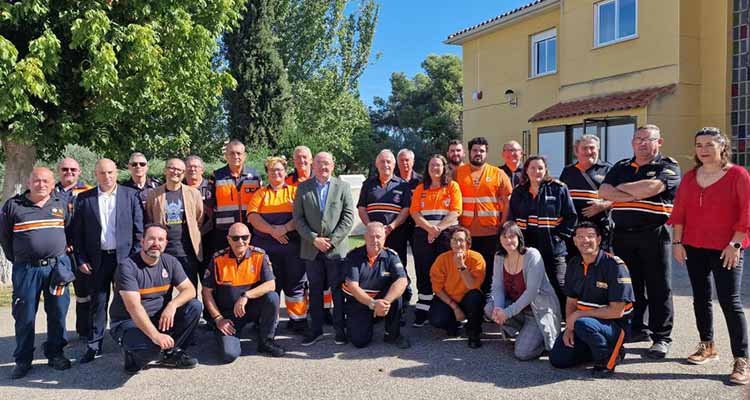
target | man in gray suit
x=324, y=213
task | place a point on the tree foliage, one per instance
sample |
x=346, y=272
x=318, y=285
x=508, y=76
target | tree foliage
x=114, y=76
x=261, y=105
x=423, y=113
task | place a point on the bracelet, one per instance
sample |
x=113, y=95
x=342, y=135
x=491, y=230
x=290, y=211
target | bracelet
x=218, y=317
x=676, y=243
x=371, y=306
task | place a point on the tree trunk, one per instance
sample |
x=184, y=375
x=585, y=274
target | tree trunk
x=19, y=160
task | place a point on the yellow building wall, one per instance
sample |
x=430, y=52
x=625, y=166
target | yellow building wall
x=496, y=62
x=679, y=41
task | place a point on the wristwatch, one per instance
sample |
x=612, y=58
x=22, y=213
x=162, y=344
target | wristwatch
x=736, y=245
x=371, y=306
x=245, y=295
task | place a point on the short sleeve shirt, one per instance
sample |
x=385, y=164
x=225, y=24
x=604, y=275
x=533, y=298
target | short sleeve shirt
x=230, y=278
x=605, y=281
x=384, y=202
x=377, y=277
x=153, y=282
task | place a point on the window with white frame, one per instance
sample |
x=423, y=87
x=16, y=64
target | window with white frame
x=544, y=53
x=614, y=21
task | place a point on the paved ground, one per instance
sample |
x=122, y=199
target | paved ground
x=434, y=368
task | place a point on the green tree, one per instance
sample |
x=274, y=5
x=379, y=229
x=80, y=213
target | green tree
x=260, y=107
x=112, y=76
x=423, y=113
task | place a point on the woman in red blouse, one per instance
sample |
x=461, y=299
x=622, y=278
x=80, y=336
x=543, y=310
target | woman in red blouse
x=711, y=219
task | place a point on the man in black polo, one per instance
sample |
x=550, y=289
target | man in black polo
x=598, y=306
x=32, y=235
x=375, y=282
x=583, y=179
x=386, y=198
x=146, y=320
x=642, y=190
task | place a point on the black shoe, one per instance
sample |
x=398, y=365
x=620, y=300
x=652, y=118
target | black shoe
x=638, y=336
x=310, y=339
x=327, y=317
x=177, y=358
x=475, y=343
x=402, y=342
x=298, y=327
x=602, y=372
x=20, y=370
x=418, y=323
x=658, y=350
x=340, y=338
x=59, y=362
x=131, y=365
x=90, y=356
x=270, y=347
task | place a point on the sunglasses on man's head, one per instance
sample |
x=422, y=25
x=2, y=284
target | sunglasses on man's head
x=244, y=238
x=138, y=164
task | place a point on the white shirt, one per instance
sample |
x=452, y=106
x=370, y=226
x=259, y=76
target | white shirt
x=107, y=217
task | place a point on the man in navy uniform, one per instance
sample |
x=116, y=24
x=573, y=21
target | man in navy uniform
x=599, y=303
x=375, y=282
x=32, y=235
x=146, y=321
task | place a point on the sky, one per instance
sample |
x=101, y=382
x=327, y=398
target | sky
x=410, y=30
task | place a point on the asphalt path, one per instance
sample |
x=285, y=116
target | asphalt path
x=435, y=367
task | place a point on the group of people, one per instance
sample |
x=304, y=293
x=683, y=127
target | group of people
x=566, y=266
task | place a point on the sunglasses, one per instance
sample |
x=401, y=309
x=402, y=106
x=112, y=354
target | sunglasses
x=138, y=164
x=244, y=238
x=64, y=169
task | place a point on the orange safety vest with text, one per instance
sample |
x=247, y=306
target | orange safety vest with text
x=482, y=202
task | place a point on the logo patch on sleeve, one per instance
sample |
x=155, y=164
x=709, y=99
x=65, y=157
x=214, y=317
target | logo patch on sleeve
x=624, y=280
x=601, y=285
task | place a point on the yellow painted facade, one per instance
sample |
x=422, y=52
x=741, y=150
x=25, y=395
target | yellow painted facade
x=681, y=42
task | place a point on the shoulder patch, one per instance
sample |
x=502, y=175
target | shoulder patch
x=257, y=250
x=220, y=252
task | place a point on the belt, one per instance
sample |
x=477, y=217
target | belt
x=109, y=252
x=44, y=262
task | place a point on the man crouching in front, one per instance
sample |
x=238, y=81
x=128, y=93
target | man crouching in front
x=146, y=321
x=239, y=287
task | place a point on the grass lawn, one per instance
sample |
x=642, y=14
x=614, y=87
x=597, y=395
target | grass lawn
x=5, y=294
x=356, y=241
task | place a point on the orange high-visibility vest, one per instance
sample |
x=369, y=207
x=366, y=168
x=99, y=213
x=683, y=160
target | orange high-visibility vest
x=232, y=196
x=483, y=201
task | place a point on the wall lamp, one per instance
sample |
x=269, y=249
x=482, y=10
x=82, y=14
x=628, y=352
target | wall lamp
x=511, y=98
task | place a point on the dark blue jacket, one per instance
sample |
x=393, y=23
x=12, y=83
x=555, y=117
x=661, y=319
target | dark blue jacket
x=87, y=228
x=545, y=220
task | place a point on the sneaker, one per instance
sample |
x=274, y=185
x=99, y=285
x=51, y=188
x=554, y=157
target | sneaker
x=704, y=353
x=311, y=339
x=90, y=356
x=340, y=338
x=20, y=370
x=418, y=323
x=268, y=346
x=177, y=358
x=131, y=365
x=658, y=350
x=602, y=372
x=401, y=341
x=59, y=362
x=741, y=372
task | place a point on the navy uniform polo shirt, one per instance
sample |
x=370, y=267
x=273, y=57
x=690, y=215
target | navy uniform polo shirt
x=581, y=191
x=153, y=282
x=30, y=233
x=647, y=213
x=595, y=286
x=384, y=203
x=376, y=278
x=230, y=278
x=515, y=176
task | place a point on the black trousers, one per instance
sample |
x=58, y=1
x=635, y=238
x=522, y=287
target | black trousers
x=555, y=268
x=486, y=246
x=133, y=340
x=424, y=255
x=397, y=241
x=190, y=265
x=323, y=273
x=100, y=286
x=701, y=264
x=360, y=321
x=264, y=311
x=83, y=300
x=649, y=259
x=472, y=304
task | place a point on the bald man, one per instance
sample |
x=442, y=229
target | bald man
x=32, y=235
x=107, y=228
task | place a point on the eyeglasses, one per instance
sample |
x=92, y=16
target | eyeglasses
x=640, y=140
x=175, y=170
x=244, y=238
x=138, y=164
x=458, y=240
x=64, y=169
